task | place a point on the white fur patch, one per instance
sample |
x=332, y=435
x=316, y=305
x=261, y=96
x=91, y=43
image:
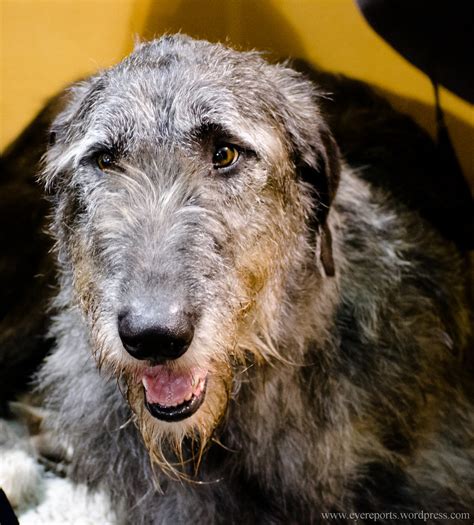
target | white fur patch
x=20, y=478
x=40, y=497
x=64, y=503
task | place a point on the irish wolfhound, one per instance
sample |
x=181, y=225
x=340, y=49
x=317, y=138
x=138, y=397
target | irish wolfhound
x=246, y=330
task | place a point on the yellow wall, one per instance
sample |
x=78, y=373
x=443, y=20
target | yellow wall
x=47, y=43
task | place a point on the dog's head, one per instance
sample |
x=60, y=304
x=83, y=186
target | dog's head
x=190, y=183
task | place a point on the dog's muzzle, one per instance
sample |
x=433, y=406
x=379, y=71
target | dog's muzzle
x=160, y=332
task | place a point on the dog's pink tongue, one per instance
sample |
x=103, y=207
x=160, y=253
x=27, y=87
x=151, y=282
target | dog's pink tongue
x=170, y=387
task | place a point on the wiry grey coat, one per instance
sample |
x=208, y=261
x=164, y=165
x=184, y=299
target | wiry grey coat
x=331, y=317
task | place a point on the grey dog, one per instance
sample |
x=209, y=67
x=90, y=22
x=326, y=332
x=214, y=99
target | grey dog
x=246, y=329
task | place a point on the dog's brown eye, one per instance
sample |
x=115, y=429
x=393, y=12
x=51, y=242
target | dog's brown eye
x=104, y=161
x=225, y=156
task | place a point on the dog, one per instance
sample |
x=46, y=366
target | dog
x=246, y=329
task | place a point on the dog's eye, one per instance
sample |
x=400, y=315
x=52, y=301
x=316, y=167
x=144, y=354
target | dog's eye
x=104, y=161
x=225, y=156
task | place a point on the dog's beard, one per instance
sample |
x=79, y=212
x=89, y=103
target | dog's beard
x=177, y=447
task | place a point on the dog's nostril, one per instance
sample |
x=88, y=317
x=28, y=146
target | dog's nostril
x=155, y=340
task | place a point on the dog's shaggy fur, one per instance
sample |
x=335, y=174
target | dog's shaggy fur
x=329, y=318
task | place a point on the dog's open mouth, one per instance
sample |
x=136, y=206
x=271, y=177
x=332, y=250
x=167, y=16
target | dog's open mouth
x=174, y=395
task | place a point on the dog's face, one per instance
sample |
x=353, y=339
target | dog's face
x=183, y=220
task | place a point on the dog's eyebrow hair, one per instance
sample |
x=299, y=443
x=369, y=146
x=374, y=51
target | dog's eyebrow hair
x=218, y=132
x=114, y=145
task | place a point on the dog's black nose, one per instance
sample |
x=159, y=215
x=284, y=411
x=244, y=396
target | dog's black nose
x=156, y=336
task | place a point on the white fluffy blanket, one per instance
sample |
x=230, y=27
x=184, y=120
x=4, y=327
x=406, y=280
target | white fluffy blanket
x=39, y=496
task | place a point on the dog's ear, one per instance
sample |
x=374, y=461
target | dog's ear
x=63, y=132
x=322, y=172
x=316, y=155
